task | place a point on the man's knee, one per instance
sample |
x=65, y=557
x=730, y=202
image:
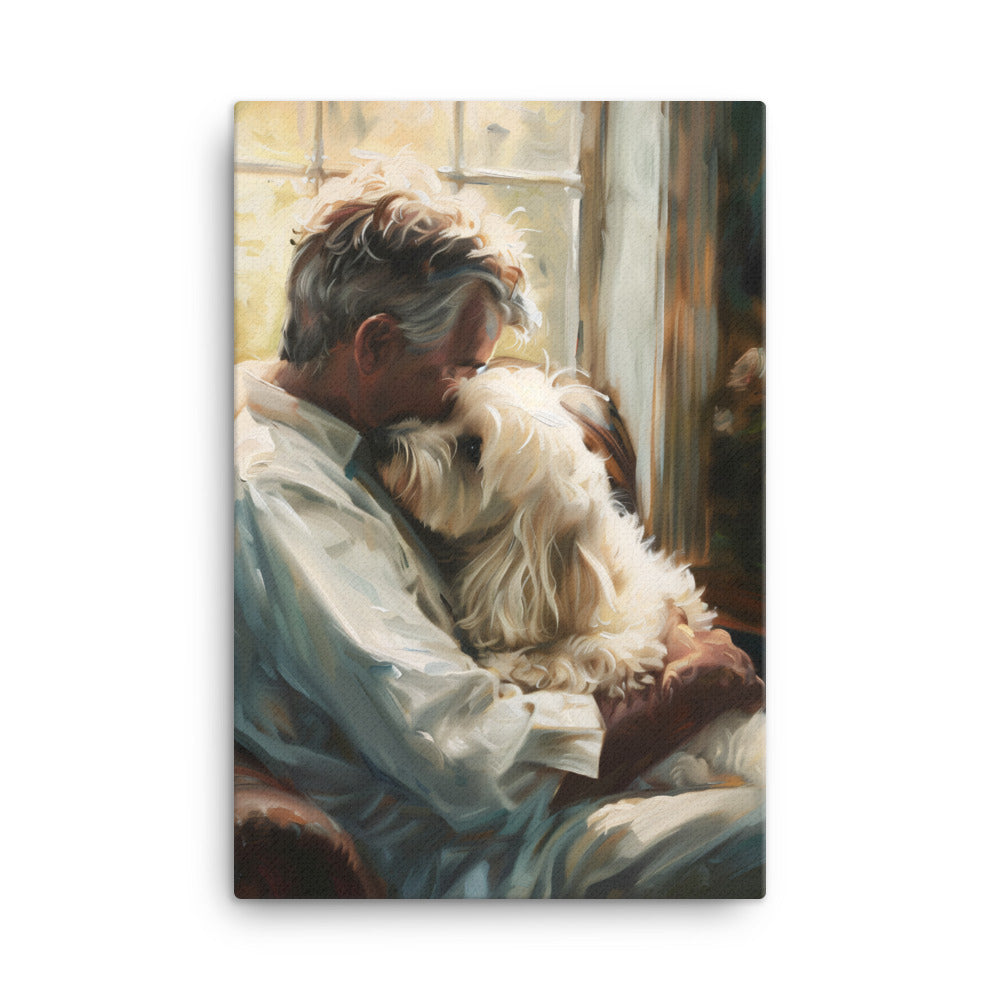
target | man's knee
x=667, y=845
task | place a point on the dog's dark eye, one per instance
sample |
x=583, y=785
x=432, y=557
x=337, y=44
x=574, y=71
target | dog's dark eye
x=471, y=448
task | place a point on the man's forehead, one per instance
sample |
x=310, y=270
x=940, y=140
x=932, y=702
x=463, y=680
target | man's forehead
x=479, y=318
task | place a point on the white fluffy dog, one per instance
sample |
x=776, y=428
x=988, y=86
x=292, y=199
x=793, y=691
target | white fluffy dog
x=553, y=584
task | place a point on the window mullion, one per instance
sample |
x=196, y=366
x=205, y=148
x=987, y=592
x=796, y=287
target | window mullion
x=458, y=174
x=315, y=173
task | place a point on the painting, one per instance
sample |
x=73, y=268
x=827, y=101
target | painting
x=499, y=399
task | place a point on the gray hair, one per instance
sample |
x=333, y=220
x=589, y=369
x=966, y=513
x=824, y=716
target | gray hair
x=397, y=254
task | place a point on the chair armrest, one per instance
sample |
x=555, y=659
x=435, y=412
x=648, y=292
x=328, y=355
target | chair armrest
x=286, y=847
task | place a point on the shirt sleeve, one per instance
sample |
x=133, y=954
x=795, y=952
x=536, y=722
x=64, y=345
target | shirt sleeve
x=340, y=605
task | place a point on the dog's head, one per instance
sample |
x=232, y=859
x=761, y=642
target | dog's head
x=508, y=478
x=508, y=444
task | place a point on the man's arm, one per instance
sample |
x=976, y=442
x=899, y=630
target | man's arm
x=704, y=675
x=346, y=665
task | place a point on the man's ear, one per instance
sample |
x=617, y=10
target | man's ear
x=376, y=342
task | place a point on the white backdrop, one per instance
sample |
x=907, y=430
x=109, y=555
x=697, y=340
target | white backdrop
x=882, y=359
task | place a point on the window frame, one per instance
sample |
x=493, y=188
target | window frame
x=563, y=345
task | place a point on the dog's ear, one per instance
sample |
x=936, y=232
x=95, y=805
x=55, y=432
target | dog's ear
x=535, y=582
x=587, y=592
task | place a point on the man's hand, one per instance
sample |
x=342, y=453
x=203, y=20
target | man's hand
x=697, y=658
x=704, y=675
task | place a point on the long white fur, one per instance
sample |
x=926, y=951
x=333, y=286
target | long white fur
x=554, y=583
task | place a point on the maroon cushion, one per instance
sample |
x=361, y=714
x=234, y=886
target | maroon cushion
x=286, y=847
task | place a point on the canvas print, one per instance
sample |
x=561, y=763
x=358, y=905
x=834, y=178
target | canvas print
x=499, y=529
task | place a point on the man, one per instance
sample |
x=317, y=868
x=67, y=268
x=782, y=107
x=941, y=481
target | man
x=351, y=679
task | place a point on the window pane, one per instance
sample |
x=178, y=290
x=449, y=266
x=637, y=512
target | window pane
x=275, y=132
x=551, y=216
x=268, y=209
x=523, y=135
x=386, y=127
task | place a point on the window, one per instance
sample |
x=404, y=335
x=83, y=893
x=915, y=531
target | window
x=524, y=155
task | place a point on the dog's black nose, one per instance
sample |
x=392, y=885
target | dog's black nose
x=380, y=444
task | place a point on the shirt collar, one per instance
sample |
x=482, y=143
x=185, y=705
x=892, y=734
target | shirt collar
x=256, y=392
